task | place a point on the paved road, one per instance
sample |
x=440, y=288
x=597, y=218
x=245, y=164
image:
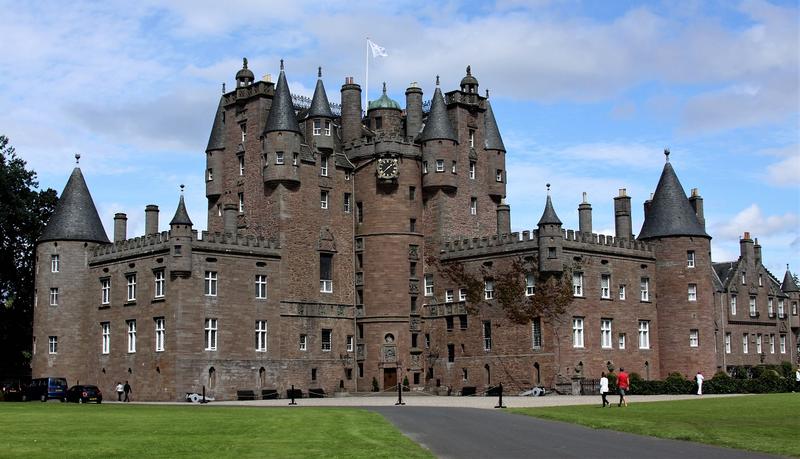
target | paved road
x=480, y=433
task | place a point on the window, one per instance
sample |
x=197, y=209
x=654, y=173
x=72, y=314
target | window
x=349, y=343
x=360, y=212
x=551, y=252
x=326, y=340
x=412, y=269
x=577, y=332
x=303, y=342
x=346, y=206
x=317, y=127
x=464, y=374
x=462, y=321
x=378, y=122
x=530, y=284
x=106, y=328
x=488, y=289
x=211, y=334
x=536, y=333
x=733, y=305
x=159, y=280
x=727, y=343
x=105, y=291
x=770, y=308
x=783, y=343
x=472, y=170
x=52, y=343
x=644, y=287
x=53, y=263
x=449, y=323
x=210, y=174
x=605, y=286
x=621, y=342
x=794, y=308
x=781, y=312
x=428, y=284
x=753, y=311
x=412, y=225
x=473, y=206
x=772, y=343
x=692, y=292
x=462, y=294
x=622, y=292
x=161, y=333
x=243, y=128
x=439, y=165
x=760, y=280
x=744, y=343
x=54, y=296
x=453, y=169
x=323, y=199
x=472, y=138
x=424, y=167
x=605, y=333
x=412, y=193
x=261, y=286
x=323, y=170
x=279, y=157
x=644, y=334
x=451, y=353
x=211, y=283
x=427, y=340
x=577, y=284
x=261, y=336
x=498, y=177
x=448, y=296
x=328, y=128
x=131, y=278
x=326, y=273
x=744, y=278
x=241, y=203
x=241, y=165
x=487, y=335
x=694, y=337
x=131, y=335
x=690, y=259
x=295, y=159
x=758, y=343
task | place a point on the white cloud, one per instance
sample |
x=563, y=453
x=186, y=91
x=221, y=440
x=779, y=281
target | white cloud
x=753, y=220
x=786, y=171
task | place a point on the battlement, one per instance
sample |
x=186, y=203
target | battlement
x=224, y=241
x=379, y=143
x=507, y=243
x=131, y=247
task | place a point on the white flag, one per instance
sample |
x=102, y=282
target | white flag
x=377, y=50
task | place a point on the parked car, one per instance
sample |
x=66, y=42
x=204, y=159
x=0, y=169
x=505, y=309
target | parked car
x=46, y=388
x=84, y=394
x=12, y=392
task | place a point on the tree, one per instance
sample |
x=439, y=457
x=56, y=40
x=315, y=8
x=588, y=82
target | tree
x=24, y=211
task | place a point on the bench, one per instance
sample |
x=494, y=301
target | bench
x=467, y=391
x=296, y=393
x=269, y=394
x=245, y=395
x=316, y=393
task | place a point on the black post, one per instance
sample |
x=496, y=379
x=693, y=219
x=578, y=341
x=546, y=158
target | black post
x=399, y=394
x=292, y=402
x=500, y=402
x=204, y=395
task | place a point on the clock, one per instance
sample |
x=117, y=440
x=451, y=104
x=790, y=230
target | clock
x=387, y=168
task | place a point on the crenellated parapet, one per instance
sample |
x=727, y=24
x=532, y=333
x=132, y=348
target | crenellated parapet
x=131, y=248
x=384, y=144
x=227, y=242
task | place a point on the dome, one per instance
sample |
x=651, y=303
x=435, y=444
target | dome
x=468, y=79
x=383, y=101
x=245, y=73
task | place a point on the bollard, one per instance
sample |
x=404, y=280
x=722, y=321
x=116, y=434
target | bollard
x=500, y=401
x=204, y=395
x=292, y=402
x=399, y=394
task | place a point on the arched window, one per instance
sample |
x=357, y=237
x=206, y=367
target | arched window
x=262, y=377
x=212, y=378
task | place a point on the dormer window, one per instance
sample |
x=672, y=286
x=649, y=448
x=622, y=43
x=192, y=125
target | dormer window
x=328, y=128
x=317, y=127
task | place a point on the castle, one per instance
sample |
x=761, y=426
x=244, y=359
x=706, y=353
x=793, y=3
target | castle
x=322, y=266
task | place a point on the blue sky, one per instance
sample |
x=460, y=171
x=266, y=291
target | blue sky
x=587, y=95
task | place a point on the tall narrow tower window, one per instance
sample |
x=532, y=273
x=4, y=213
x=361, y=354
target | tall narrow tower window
x=244, y=132
x=53, y=263
x=241, y=203
x=54, y=296
x=690, y=259
x=473, y=206
x=323, y=170
x=472, y=170
x=328, y=128
x=472, y=138
x=241, y=165
x=323, y=199
x=326, y=273
x=317, y=127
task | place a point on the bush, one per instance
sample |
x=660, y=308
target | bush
x=676, y=383
x=375, y=387
x=722, y=383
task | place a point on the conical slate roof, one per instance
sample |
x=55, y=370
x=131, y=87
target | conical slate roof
x=492, y=139
x=281, y=115
x=438, y=124
x=75, y=217
x=320, y=108
x=549, y=216
x=670, y=212
x=216, y=141
x=789, y=285
x=181, y=216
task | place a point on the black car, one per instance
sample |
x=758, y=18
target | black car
x=84, y=394
x=12, y=392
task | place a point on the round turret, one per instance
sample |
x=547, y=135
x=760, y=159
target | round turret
x=384, y=114
x=244, y=76
x=469, y=83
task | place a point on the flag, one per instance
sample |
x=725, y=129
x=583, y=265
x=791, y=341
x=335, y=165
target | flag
x=377, y=50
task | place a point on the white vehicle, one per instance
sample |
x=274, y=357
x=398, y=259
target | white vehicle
x=194, y=397
x=535, y=392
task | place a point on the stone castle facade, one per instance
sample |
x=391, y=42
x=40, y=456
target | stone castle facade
x=322, y=266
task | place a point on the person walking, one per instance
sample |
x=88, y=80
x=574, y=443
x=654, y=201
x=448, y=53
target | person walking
x=699, y=378
x=120, y=389
x=604, y=388
x=128, y=391
x=797, y=379
x=623, y=384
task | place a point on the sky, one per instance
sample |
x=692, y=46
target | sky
x=587, y=95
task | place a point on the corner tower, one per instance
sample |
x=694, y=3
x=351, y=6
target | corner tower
x=550, y=239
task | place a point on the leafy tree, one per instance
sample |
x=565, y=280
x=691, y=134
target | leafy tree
x=24, y=211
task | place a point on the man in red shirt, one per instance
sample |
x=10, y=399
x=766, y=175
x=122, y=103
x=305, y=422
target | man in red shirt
x=623, y=385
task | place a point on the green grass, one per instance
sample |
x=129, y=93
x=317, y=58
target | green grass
x=109, y=430
x=764, y=423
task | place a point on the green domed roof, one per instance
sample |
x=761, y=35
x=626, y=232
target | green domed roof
x=383, y=101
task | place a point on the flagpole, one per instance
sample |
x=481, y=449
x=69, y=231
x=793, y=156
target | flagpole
x=366, y=80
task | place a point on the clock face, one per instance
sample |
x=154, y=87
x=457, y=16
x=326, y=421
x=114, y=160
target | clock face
x=387, y=168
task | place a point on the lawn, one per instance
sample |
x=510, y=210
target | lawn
x=765, y=423
x=66, y=430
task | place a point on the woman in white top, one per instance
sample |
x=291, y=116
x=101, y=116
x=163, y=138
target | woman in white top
x=699, y=379
x=604, y=388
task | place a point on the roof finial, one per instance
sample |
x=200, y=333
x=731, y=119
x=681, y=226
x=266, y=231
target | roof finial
x=384, y=88
x=244, y=62
x=223, y=88
x=487, y=93
x=469, y=70
x=319, y=72
x=666, y=153
x=437, y=80
x=548, y=189
x=281, y=64
x=182, y=186
x=78, y=160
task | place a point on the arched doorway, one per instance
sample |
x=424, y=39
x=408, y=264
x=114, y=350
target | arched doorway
x=487, y=372
x=212, y=378
x=262, y=377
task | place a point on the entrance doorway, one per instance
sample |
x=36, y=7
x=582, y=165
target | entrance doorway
x=389, y=378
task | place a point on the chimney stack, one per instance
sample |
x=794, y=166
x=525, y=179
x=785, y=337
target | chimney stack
x=151, y=219
x=697, y=204
x=413, y=110
x=120, y=227
x=585, y=216
x=229, y=213
x=622, y=215
x=351, y=110
x=746, y=248
x=757, y=252
x=503, y=217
